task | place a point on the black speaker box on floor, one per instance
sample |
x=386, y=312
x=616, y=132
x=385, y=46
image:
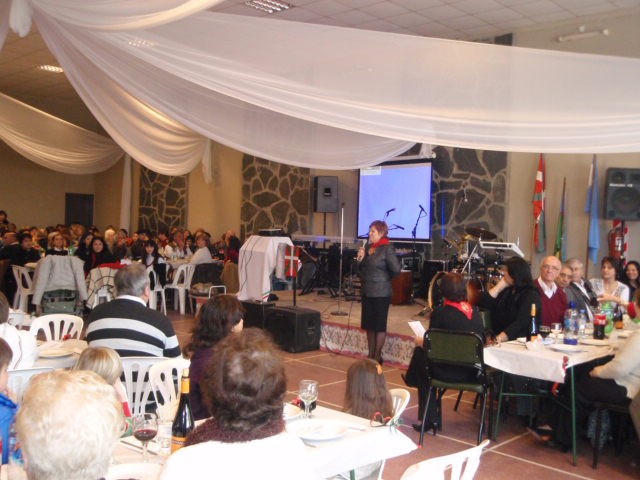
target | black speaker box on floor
x=256, y=313
x=622, y=196
x=294, y=329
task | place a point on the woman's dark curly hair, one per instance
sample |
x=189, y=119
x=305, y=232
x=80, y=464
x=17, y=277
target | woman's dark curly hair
x=614, y=262
x=214, y=321
x=245, y=383
x=520, y=271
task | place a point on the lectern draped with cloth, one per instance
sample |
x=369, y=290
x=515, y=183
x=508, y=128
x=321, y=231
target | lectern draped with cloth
x=258, y=259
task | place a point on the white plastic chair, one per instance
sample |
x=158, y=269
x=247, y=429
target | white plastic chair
x=400, y=398
x=25, y=288
x=434, y=468
x=181, y=284
x=157, y=289
x=136, y=381
x=57, y=325
x=164, y=378
x=19, y=379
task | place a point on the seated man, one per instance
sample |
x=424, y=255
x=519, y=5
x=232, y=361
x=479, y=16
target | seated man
x=554, y=300
x=127, y=325
x=86, y=416
x=22, y=342
x=581, y=290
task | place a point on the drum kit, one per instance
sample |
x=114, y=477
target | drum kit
x=480, y=268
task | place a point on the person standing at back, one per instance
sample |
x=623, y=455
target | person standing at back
x=126, y=325
x=377, y=266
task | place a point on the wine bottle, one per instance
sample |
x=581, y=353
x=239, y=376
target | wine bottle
x=183, y=421
x=533, y=331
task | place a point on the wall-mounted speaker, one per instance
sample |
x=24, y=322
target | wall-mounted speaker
x=622, y=194
x=325, y=194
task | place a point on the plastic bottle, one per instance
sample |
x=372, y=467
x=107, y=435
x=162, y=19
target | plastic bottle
x=582, y=324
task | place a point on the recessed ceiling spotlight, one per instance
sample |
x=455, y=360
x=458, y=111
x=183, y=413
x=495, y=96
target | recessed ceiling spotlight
x=51, y=68
x=269, y=6
x=140, y=43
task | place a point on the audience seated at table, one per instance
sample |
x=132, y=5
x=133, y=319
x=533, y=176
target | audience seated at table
x=8, y=407
x=510, y=300
x=68, y=426
x=581, y=288
x=553, y=299
x=457, y=314
x=19, y=253
x=137, y=247
x=58, y=245
x=22, y=343
x=177, y=248
x=608, y=288
x=106, y=363
x=98, y=255
x=202, y=254
x=127, y=325
x=631, y=277
x=244, y=388
x=217, y=318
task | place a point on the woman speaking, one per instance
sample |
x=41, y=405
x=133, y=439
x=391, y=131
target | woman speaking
x=378, y=265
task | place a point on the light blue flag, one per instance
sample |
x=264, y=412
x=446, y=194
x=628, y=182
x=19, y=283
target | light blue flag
x=592, y=209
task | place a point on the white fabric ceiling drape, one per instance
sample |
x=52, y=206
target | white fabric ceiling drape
x=54, y=143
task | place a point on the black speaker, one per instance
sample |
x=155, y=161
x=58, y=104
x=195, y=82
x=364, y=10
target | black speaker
x=256, y=313
x=294, y=329
x=622, y=194
x=325, y=194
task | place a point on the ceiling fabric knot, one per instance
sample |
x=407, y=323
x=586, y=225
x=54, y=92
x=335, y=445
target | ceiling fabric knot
x=20, y=17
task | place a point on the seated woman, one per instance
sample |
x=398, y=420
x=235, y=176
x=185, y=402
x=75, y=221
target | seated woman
x=58, y=245
x=631, y=277
x=510, y=301
x=106, y=363
x=232, y=252
x=202, y=254
x=244, y=390
x=84, y=246
x=608, y=288
x=216, y=319
x=455, y=314
x=98, y=255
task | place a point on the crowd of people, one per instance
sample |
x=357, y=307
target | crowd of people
x=111, y=247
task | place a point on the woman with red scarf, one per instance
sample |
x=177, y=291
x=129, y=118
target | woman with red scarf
x=378, y=265
x=458, y=314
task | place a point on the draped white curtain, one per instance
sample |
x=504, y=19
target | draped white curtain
x=328, y=97
x=52, y=142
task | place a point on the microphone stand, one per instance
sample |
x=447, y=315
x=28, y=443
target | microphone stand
x=339, y=312
x=412, y=298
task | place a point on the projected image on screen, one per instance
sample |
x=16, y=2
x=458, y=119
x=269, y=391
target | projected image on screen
x=403, y=187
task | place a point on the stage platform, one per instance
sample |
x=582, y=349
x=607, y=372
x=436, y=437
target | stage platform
x=342, y=334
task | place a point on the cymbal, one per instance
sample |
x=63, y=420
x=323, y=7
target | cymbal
x=480, y=233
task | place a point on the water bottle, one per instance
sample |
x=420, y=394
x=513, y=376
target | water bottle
x=582, y=324
x=571, y=325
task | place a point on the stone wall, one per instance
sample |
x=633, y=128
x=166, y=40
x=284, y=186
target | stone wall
x=163, y=201
x=469, y=191
x=274, y=195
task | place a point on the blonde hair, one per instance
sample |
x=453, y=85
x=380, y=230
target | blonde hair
x=367, y=391
x=68, y=425
x=101, y=360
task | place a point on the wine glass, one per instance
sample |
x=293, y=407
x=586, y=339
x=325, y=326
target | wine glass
x=556, y=328
x=544, y=331
x=145, y=428
x=308, y=393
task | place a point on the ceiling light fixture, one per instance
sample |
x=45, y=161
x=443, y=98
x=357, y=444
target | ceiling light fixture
x=582, y=33
x=51, y=68
x=268, y=6
x=140, y=43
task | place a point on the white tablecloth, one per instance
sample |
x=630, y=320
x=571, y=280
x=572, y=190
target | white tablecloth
x=547, y=364
x=257, y=260
x=66, y=361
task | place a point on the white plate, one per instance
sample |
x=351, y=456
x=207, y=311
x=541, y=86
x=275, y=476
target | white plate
x=563, y=347
x=137, y=471
x=315, y=429
x=596, y=342
x=522, y=340
x=56, y=352
x=291, y=411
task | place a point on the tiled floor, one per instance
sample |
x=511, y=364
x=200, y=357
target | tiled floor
x=515, y=454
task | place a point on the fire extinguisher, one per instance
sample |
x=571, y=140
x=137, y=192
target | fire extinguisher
x=616, y=242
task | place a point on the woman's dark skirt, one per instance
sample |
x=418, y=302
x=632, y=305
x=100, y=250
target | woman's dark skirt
x=374, y=313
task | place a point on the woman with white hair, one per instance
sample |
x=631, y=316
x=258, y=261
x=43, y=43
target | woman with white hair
x=68, y=426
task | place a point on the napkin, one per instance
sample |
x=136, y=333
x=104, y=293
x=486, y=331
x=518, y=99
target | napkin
x=536, y=345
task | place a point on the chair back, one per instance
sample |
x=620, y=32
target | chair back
x=136, y=381
x=21, y=274
x=183, y=275
x=19, y=379
x=450, y=347
x=400, y=398
x=57, y=325
x=4, y=266
x=435, y=468
x=164, y=378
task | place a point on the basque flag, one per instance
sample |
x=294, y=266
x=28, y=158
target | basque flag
x=539, y=234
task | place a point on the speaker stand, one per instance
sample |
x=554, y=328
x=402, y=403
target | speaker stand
x=339, y=312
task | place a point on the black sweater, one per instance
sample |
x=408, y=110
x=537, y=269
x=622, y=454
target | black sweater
x=511, y=310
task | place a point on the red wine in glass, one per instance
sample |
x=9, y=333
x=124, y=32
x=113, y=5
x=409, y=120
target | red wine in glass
x=145, y=434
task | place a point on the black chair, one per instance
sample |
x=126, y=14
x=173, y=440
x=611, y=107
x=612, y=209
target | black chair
x=623, y=426
x=445, y=348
